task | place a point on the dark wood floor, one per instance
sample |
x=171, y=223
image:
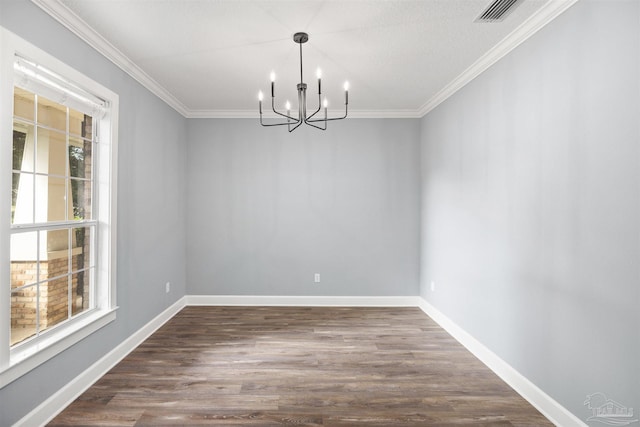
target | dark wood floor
x=274, y=366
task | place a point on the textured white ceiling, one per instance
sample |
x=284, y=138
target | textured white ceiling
x=213, y=56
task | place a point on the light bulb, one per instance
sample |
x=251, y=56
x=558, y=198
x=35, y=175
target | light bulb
x=273, y=76
x=325, y=103
x=260, y=96
x=287, y=106
x=346, y=85
x=319, y=73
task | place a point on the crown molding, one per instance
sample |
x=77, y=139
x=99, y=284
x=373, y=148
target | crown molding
x=535, y=22
x=76, y=25
x=253, y=114
x=80, y=28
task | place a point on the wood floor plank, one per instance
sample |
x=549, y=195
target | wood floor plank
x=303, y=366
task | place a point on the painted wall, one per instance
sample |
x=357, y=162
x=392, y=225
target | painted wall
x=267, y=209
x=151, y=201
x=531, y=206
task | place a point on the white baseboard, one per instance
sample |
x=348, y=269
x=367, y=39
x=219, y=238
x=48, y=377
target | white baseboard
x=555, y=412
x=544, y=403
x=51, y=407
x=304, y=301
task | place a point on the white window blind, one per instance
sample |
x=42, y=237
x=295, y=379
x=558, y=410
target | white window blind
x=38, y=79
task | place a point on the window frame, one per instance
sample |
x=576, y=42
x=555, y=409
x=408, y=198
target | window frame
x=23, y=358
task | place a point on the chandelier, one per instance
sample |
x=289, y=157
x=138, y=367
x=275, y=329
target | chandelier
x=293, y=122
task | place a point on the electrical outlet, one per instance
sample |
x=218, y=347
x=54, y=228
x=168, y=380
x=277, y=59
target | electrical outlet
x=167, y=287
x=316, y=278
x=433, y=286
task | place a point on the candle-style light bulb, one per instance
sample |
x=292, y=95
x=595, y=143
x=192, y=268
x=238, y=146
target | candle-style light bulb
x=273, y=82
x=319, y=73
x=260, y=96
x=325, y=103
x=287, y=106
x=346, y=93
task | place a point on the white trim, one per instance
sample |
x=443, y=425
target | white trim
x=551, y=409
x=25, y=357
x=51, y=407
x=546, y=14
x=6, y=128
x=57, y=341
x=544, y=403
x=304, y=301
x=80, y=28
x=355, y=114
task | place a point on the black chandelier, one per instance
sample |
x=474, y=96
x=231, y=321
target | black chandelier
x=293, y=122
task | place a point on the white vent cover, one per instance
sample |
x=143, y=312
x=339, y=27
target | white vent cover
x=497, y=11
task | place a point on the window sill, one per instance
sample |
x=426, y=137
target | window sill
x=25, y=359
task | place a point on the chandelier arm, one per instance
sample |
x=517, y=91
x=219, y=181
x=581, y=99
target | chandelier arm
x=328, y=120
x=273, y=107
x=319, y=107
x=295, y=127
x=310, y=122
x=346, y=106
x=275, y=124
x=315, y=126
x=287, y=123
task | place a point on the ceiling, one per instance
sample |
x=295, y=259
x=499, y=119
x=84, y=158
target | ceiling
x=209, y=58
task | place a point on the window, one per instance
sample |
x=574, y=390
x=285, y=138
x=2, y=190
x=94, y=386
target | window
x=57, y=247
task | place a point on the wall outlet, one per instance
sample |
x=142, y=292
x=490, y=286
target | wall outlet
x=433, y=286
x=316, y=278
x=167, y=287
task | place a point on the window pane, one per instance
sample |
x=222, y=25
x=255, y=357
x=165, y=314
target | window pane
x=80, y=124
x=19, y=142
x=23, y=136
x=24, y=259
x=51, y=114
x=87, y=128
x=82, y=248
x=81, y=195
x=22, y=198
x=57, y=255
x=54, y=302
x=23, y=102
x=51, y=152
x=23, y=314
x=80, y=291
x=51, y=203
x=80, y=158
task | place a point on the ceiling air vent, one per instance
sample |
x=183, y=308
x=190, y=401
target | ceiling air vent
x=497, y=11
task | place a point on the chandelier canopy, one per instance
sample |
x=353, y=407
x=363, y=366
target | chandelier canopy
x=293, y=122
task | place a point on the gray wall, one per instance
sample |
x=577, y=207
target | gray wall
x=268, y=209
x=531, y=206
x=151, y=201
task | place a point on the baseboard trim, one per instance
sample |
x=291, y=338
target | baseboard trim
x=51, y=407
x=555, y=412
x=304, y=301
